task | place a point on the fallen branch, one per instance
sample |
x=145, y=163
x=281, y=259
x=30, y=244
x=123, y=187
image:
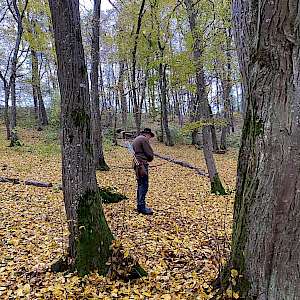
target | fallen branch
x=38, y=183
x=182, y=163
x=26, y=182
x=108, y=195
x=178, y=162
x=11, y=180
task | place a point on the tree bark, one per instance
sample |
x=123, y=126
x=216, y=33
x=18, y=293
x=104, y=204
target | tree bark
x=37, y=92
x=90, y=236
x=122, y=95
x=33, y=80
x=213, y=133
x=6, y=111
x=95, y=103
x=137, y=112
x=266, y=230
x=226, y=87
x=164, y=107
x=216, y=185
x=13, y=6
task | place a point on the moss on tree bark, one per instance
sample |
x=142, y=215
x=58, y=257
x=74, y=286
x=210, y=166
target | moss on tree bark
x=217, y=187
x=95, y=237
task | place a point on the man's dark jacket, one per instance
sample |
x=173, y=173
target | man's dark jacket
x=142, y=149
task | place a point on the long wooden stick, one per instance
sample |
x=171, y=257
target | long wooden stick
x=178, y=162
x=182, y=163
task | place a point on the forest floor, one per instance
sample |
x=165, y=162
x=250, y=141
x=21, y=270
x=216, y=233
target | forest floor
x=182, y=246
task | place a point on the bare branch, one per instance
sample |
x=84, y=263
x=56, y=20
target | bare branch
x=114, y=6
x=11, y=10
x=22, y=62
x=4, y=15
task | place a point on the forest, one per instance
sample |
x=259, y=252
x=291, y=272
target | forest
x=150, y=149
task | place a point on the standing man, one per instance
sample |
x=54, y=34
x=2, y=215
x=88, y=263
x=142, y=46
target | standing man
x=144, y=154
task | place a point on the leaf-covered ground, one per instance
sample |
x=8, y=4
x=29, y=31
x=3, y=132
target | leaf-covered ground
x=181, y=246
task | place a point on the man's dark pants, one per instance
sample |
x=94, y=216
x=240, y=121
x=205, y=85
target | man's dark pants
x=142, y=189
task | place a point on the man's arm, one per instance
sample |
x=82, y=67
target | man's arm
x=148, y=151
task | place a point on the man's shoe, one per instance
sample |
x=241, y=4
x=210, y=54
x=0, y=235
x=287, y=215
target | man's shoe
x=145, y=211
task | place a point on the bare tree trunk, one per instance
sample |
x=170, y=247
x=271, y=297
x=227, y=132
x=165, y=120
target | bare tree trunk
x=194, y=115
x=13, y=7
x=33, y=83
x=122, y=95
x=37, y=93
x=13, y=119
x=213, y=132
x=90, y=236
x=100, y=163
x=226, y=87
x=216, y=185
x=142, y=97
x=164, y=108
x=6, y=112
x=137, y=112
x=6, y=87
x=266, y=230
x=177, y=109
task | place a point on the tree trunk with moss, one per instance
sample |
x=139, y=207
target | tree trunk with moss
x=95, y=103
x=216, y=184
x=266, y=230
x=90, y=237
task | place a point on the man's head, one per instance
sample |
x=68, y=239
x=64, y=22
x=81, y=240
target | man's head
x=148, y=133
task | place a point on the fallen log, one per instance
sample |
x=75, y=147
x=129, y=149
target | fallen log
x=182, y=163
x=26, y=182
x=38, y=183
x=11, y=180
x=108, y=195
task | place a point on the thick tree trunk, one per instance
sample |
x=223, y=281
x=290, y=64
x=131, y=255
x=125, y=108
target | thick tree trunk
x=95, y=103
x=216, y=185
x=164, y=107
x=90, y=236
x=266, y=230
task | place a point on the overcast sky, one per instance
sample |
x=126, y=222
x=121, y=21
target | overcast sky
x=89, y=3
